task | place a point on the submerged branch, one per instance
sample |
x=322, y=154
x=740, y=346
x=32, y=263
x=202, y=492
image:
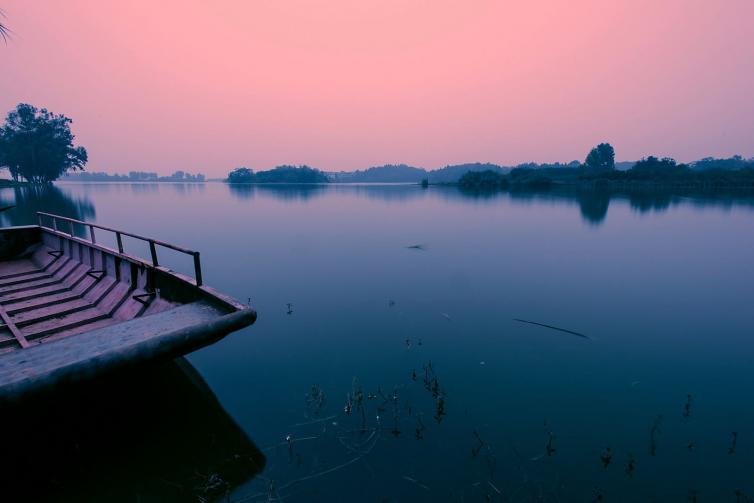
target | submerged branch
x=553, y=328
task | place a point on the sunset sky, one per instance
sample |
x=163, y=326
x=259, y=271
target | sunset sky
x=347, y=84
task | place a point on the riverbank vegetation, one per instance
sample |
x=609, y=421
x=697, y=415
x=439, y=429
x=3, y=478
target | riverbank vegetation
x=37, y=145
x=599, y=170
x=132, y=176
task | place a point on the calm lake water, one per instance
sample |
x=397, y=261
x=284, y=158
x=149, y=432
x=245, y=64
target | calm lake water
x=386, y=282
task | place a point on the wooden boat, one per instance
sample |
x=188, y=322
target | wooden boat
x=72, y=308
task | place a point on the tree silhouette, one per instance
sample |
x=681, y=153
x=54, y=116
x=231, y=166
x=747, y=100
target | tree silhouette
x=38, y=145
x=601, y=157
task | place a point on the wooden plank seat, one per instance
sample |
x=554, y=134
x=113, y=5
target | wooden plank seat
x=49, y=296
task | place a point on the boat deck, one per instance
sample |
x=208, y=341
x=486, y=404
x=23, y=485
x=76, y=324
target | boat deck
x=72, y=309
x=50, y=295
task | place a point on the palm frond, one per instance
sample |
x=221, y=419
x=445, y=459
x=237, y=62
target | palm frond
x=4, y=30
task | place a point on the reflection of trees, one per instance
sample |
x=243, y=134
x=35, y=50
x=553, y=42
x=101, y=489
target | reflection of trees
x=48, y=198
x=594, y=204
x=241, y=190
x=645, y=201
x=288, y=192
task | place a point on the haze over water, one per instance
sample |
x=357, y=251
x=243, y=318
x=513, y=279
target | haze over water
x=661, y=285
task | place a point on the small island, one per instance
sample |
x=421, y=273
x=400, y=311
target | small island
x=280, y=174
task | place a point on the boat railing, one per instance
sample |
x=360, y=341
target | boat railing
x=153, y=243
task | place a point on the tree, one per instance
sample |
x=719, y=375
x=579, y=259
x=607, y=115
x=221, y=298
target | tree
x=601, y=157
x=241, y=175
x=38, y=145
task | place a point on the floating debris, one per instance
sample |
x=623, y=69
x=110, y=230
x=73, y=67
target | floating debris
x=690, y=446
x=390, y=303
x=553, y=328
x=598, y=496
x=653, y=435
x=732, y=448
x=692, y=496
x=413, y=375
x=631, y=465
x=408, y=343
x=635, y=383
x=606, y=457
x=687, y=408
x=290, y=308
x=446, y=316
x=417, y=247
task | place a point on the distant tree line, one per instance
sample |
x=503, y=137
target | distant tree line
x=134, y=176
x=599, y=168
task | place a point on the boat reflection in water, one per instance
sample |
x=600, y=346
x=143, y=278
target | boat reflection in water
x=155, y=433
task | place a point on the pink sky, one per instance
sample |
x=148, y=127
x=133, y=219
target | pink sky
x=346, y=84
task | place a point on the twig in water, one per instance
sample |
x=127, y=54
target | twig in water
x=414, y=481
x=687, y=408
x=553, y=328
x=549, y=446
x=653, y=435
x=419, y=428
x=349, y=405
x=440, y=412
x=606, y=457
x=732, y=448
x=480, y=443
x=631, y=465
x=316, y=398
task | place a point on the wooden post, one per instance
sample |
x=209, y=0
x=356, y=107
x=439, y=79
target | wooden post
x=153, y=251
x=55, y=223
x=197, y=269
x=39, y=218
x=70, y=223
x=91, y=233
x=120, y=242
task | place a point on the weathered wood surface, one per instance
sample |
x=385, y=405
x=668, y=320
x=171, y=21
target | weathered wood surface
x=57, y=295
x=167, y=334
x=71, y=309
